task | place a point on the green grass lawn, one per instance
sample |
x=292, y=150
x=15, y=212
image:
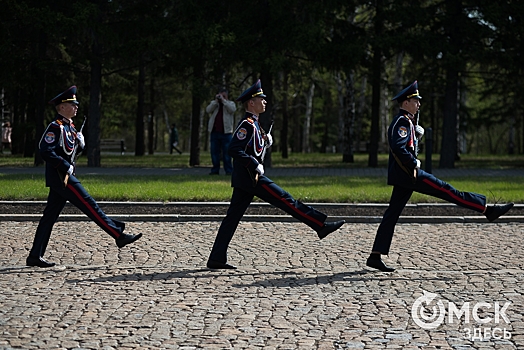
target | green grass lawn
x=307, y=189
x=342, y=189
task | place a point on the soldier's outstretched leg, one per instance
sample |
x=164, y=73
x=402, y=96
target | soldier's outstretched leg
x=430, y=185
x=275, y=195
x=78, y=196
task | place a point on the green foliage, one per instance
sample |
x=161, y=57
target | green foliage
x=190, y=48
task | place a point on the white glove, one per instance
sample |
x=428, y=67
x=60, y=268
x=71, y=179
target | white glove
x=269, y=140
x=418, y=164
x=70, y=170
x=260, y=169
x=419, y=131
x=81, y=140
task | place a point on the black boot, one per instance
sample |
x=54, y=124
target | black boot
x=38, y=261
x=217, y=265
x=125, y=239
x=375, y=261
x=493, y=212
x=329, y=227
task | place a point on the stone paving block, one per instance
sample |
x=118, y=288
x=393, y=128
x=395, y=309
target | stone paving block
x=290, y=291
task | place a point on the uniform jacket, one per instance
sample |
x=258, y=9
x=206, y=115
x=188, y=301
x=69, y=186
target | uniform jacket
x=229, y=110
x=247, y=148
x=57, y=148
x=402, y=143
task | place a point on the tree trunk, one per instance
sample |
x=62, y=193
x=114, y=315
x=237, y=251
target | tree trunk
x=194, y=153
x=40, y=99
x=346, y=117
x=306, y=144
x=349, y=124
x=375, y=82
x=361, y=109
x=448, y=150
x=93, y=120
x=151, y=120
x=511, y=136
x=521, y=143
x=19, y=121
x=398, y=83
x=285, y=117
x=29, y=136
x=342, y=110
x=139, y=122
x=375, y=113
x=194, y=158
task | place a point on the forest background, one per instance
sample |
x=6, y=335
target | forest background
x=329, y=69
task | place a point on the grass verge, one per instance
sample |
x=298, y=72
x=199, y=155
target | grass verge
x=335, y=189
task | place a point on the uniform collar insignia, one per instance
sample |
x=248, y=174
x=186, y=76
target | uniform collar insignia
x=406, y=113
x=63, y=120
x=253, y=116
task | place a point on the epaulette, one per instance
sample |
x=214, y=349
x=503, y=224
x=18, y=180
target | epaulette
x=250, y=120
x=60, y=122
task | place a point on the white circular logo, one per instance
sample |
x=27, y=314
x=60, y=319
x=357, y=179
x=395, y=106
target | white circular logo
x=419, y=312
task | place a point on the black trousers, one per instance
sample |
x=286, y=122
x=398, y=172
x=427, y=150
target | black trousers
x=270, y=193
x=78, y=196
x=426, y=184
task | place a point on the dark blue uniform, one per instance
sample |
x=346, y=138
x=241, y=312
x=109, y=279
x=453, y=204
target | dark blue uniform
x=56, y=147
x=246, y=149
x=406, y=179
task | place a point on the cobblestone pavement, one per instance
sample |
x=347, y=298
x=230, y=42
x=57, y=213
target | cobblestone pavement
x=291, y=290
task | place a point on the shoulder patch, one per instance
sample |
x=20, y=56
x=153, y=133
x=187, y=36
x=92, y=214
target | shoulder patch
x=49, y=137
x=241, y=133
x=402, y=131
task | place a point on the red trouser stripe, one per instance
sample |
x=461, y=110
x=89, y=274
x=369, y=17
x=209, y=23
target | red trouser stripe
x=271, y=192
x=100, y=220
x=454, y=196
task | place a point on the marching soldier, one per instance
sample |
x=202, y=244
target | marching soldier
x=247, y=149
x=58, y=146
x=406, y=177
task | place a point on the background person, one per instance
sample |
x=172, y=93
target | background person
x=6, y=136
x=58, y=146
x=173, y=140
x=220, y=127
